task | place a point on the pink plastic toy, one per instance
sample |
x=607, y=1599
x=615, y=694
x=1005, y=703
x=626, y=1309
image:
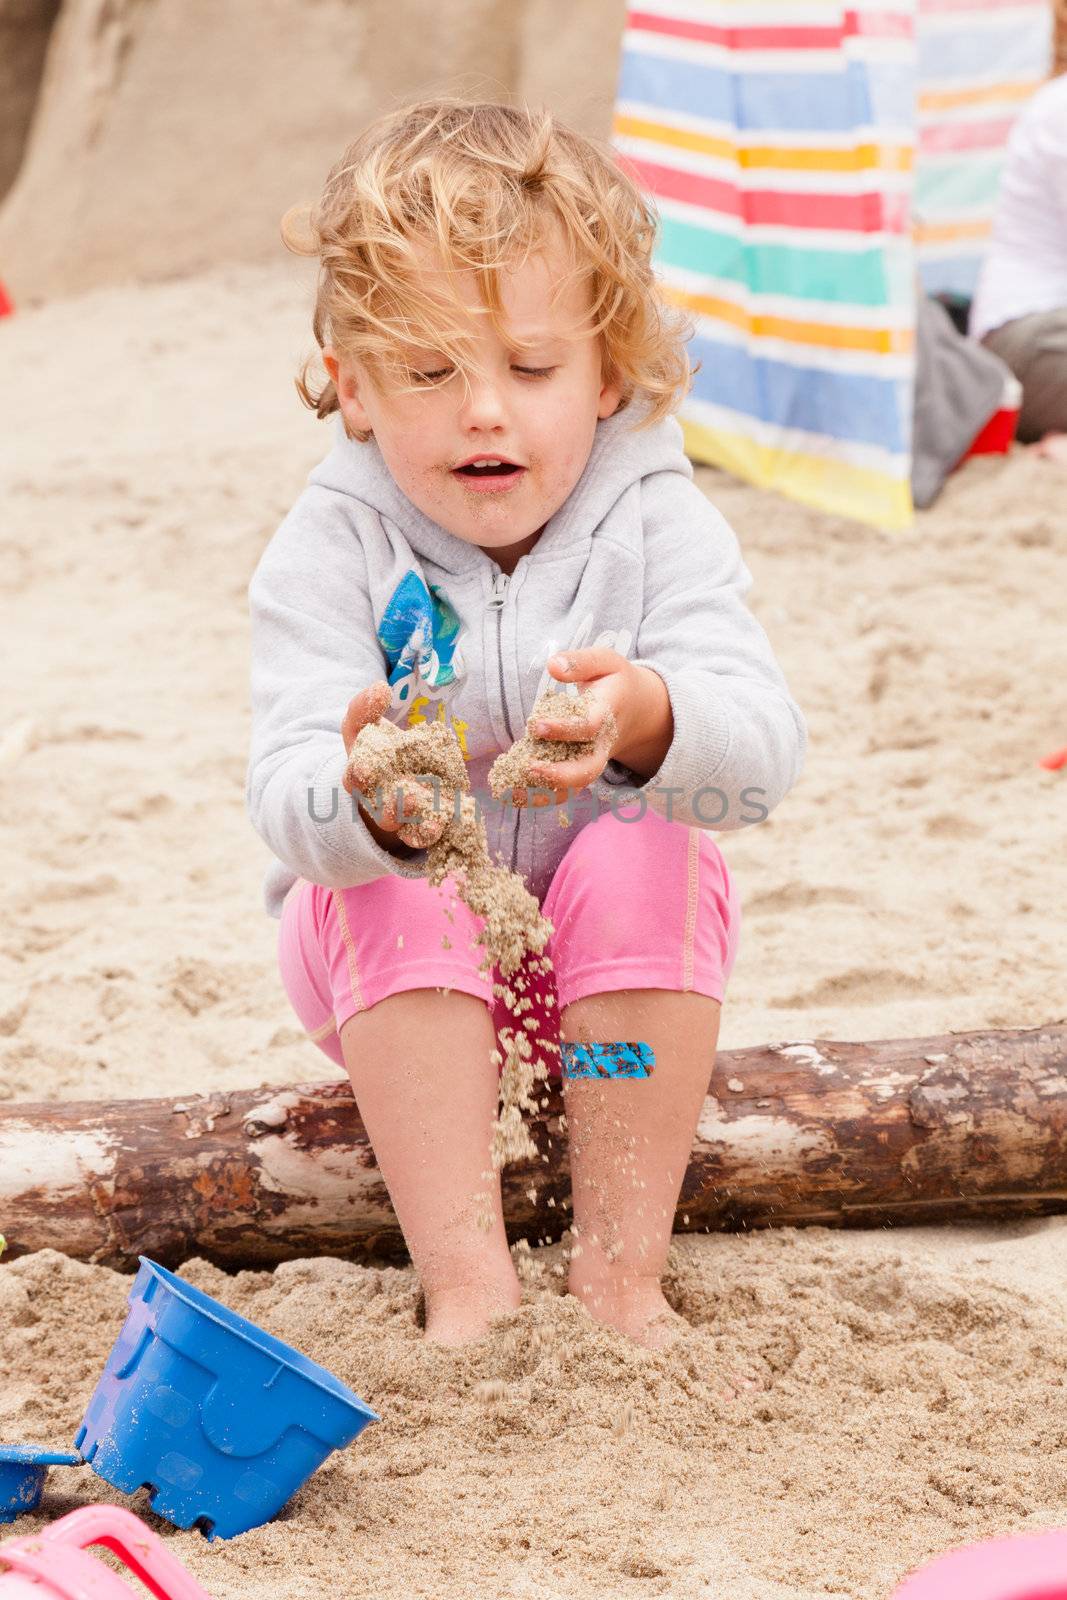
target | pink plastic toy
x=1024, y=1567
x=54, y=1565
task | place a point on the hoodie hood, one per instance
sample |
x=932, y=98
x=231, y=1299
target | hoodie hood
x=359, y=470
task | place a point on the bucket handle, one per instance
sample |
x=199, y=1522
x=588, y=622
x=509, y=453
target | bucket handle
x=119, y=1531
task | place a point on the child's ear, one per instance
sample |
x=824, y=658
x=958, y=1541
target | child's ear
x=346, y=382
x=610, y=395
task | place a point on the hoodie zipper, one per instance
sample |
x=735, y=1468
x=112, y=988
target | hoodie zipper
x=496, y=603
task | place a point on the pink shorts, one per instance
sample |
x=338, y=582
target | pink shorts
x=641, y=904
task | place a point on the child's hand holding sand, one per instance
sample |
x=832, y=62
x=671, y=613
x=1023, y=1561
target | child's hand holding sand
x=627, y=719
x=407, y=811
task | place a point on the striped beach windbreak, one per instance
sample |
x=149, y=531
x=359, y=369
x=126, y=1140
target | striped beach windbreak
x=977, y=64
x=778, y=139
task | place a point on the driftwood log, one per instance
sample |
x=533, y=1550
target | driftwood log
x=898, y=1131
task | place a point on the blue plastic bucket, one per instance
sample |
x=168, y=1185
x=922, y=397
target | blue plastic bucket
x=23, y=1469
x=219, y=1419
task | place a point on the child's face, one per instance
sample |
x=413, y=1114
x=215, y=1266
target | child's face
x=543, y=424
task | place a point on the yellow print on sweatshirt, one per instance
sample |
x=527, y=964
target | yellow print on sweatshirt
x=416, y=714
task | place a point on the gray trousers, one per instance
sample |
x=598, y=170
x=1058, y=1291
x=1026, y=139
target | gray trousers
x=1035, y=348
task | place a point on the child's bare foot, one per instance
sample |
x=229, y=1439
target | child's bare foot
x=638, y=1309
x=463, y=1313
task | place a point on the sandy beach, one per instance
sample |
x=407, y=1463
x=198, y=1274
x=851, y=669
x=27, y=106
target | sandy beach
x=846, y=1405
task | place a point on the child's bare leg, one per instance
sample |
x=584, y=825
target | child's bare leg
x=630, y=1142
x=427, y=1091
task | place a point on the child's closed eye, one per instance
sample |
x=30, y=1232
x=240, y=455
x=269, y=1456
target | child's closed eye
x=444, y=372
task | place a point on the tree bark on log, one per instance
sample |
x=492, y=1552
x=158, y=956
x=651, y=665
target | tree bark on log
x=970, y=1125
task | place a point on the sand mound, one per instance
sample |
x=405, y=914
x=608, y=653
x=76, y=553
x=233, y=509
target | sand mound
x=25, y=29
x=842, y=1409
x=174, y=134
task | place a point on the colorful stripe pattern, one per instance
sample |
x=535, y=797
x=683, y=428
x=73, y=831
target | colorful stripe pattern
x=777, y=138
x=978, y=61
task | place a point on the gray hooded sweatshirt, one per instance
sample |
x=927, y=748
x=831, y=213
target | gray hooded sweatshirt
x=358, y=584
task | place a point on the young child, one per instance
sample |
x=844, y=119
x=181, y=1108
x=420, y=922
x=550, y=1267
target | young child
x=507, y=506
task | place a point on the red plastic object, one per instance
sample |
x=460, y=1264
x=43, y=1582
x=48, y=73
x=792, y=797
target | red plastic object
x=54, y=1565
x=6, y=304
x=1023, y=1567
x=998, y=435
x=1054, y=760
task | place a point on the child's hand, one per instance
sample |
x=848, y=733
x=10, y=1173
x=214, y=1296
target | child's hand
x=363, y=709
x=628, y=713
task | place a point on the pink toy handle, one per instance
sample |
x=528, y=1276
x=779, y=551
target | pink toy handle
x=46, y=1556
x=1023, y=1567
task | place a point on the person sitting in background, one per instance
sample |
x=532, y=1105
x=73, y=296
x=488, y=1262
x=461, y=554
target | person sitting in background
x=1020, y=305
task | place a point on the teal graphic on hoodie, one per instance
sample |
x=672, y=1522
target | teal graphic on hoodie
x=420, y=633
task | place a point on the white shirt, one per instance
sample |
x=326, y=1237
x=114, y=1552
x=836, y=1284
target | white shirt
x=1025, y=269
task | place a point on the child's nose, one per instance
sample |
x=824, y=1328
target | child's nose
x=484, y=405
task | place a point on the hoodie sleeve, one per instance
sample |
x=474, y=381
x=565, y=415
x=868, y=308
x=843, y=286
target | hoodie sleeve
x=739, y=737
x=313, y=646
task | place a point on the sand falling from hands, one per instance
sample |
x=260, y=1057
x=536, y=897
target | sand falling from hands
x=514, y=931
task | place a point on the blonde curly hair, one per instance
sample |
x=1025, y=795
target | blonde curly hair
x=484, y=183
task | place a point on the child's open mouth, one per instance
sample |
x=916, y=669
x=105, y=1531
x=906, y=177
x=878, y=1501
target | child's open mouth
x=490, y=477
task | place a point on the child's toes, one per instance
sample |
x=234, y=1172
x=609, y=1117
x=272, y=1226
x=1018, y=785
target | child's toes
x=661, y=1330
